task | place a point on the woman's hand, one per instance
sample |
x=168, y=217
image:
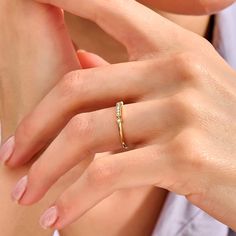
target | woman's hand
x=178, y=116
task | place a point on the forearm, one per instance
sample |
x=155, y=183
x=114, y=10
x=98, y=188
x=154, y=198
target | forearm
x=35, y=53
x=15, y=103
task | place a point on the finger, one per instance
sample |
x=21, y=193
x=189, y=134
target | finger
x=90, y=133
x=87, y=90
x=141, y=167
x=137, y=27
x=90, y=60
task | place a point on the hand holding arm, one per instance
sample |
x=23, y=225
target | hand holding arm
x=179, y=116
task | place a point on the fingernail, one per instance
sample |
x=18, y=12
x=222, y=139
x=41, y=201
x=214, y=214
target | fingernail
x=19, y=189
x=81, y=50
x=49, y=217
x=7, y=149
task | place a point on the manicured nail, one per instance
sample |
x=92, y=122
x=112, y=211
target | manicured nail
x=7, y=149
x=49, y=217
x=19, y=189
x=81, y=50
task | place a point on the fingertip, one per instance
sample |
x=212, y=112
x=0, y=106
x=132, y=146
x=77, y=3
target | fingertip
x=26, y=191
x=19, y=189
x=55, y=217
x=31, y=196
x=6, y=150
x=49, y=217
x=90, y=60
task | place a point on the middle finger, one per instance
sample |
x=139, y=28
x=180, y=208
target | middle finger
x=90, y=133
x=88, y=90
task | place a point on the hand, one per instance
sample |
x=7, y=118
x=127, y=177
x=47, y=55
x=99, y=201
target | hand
x=178, y=120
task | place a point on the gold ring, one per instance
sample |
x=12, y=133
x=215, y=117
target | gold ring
x=119, y=120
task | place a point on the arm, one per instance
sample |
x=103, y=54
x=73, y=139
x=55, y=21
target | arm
x=26, y=73
x=179, y=108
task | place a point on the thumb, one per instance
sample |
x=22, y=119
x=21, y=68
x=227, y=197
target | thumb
x=90, y=60
x=141, y=30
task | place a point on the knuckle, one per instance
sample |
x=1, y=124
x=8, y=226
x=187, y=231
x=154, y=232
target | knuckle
x=72, y=83
x=189, y=65
x=101, y=174
x=80, y=126
x=179, y=106
x=188, y=105
x=189, y=152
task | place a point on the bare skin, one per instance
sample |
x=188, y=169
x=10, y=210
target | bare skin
x=32, y=50
x=138, y=224
x=27, y=32
x=179, y=120
x=89, y=36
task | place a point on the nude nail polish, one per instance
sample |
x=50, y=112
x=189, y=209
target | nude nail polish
x=81, y=50
x=19, y=189
x=7, y=149
x=49, y=217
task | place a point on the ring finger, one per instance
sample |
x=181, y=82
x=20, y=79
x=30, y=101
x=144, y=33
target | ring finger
x=84, y=91
x=90, y=133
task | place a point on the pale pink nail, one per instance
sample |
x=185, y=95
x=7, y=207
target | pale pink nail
x=19, y=189
x=49, y=217
x=7, y=149
x=81, y=50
